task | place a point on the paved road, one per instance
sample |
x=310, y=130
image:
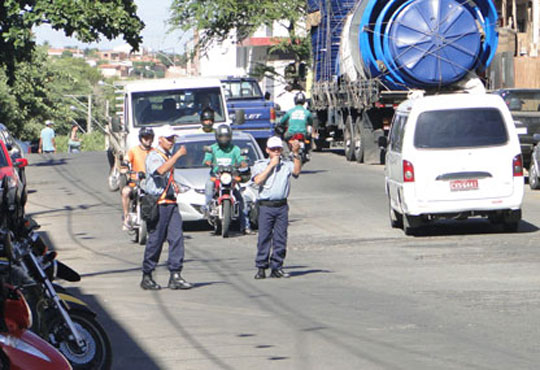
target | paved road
x=362, y=296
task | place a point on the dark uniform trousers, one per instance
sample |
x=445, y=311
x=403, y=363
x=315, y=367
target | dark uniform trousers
x=273, y=223
x=168, y=227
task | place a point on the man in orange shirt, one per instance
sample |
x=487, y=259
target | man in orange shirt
x=136, y=157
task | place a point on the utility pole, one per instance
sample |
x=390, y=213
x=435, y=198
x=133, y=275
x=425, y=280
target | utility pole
x=89, y=119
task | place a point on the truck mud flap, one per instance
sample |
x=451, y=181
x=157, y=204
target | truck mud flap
x=373, y=154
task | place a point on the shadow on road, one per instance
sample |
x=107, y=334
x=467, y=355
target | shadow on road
x=470, y=227
x=308, y=272
x=51, y=162
x=121, y=342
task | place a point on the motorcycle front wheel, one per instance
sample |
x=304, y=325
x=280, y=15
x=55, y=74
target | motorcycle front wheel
x=227, y=217
x=97, y=354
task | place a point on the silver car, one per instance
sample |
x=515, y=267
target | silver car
x=191, y=174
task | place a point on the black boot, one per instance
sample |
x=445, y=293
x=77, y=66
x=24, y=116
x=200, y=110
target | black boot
x=279, y=273
x=176, y=281
x=261, y=274
x=148, y=283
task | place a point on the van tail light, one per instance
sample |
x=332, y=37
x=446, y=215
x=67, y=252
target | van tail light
x=408, y=171
x=272, y=115
x=517, y=165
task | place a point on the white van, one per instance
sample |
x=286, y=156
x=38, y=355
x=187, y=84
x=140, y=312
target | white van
x=453, y=156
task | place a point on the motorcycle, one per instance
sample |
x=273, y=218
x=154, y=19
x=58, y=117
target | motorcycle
x=20, y=349
x=65, y=321
x=224, y=208
x=305, y=146
x=138, y=231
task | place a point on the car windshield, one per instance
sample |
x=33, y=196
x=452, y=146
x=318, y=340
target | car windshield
x=524, y=101
x=460, y=128
x=241, y=90
x=195, y=152
x=176, y=106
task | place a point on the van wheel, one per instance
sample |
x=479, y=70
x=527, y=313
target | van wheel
x=396, y=218
x=411, y=224
x=534, y=182
x=348, y=140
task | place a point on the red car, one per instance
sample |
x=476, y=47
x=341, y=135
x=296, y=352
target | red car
x=14, y=193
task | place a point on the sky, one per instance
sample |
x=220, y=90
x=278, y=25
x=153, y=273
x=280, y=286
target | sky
x=155, y=34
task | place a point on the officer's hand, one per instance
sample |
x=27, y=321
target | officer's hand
x=181, y=152
x=274, y=161
x=295, y=146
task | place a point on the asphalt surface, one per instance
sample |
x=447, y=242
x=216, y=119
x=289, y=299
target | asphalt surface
x=362, y=295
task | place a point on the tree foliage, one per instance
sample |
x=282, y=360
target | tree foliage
x=87, y=20
x=216, y=19
x=42, y=89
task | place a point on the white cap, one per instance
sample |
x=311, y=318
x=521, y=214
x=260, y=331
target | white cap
x=274, y=142
x=49, y=123
x=168, y=132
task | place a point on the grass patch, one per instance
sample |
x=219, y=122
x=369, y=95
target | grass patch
x=92, y=142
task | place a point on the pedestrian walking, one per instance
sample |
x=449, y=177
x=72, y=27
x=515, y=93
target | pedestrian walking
x=168, y=226
x=273, y=178
x=74, y=142
x=47, y=143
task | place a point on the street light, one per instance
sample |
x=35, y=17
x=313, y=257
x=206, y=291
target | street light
x=166, y=56
x=74, y=108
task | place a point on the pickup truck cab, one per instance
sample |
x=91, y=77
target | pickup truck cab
x=453, y=156
x=161, y=104
x=260, y=113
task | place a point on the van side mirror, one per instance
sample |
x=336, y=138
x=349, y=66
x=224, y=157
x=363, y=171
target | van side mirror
x=116, y=124
x=21, y=162
x=267, y=96
x=239, y=117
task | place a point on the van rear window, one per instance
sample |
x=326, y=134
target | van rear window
x=460, y=128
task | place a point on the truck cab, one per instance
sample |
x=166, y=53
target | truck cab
x=161, y=104
x=260, y=113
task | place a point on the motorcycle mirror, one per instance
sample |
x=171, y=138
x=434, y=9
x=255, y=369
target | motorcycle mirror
x=141, y=175
x=207, y=149
x=244, y=152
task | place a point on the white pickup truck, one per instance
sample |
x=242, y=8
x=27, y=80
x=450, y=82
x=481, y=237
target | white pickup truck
x=161, y=104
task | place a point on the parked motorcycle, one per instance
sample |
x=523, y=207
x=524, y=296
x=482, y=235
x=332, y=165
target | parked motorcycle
x=65, y=321
x=138, y=230
x=20, y=349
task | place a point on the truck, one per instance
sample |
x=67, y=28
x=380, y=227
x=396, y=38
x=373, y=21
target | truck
x=161, y=104
x=260, y=112
x=369, y=55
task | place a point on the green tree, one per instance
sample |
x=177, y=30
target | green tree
x=216, y=19
x=87, y=20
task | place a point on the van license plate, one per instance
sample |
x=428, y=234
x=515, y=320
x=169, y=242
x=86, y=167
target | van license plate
x=464, y=185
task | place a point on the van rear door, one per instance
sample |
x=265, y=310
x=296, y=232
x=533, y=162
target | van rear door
x=463, y=154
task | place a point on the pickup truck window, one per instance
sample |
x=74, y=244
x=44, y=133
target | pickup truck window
x=524, y=101
x=242, y=90
x=183, y=106
x=460, y=128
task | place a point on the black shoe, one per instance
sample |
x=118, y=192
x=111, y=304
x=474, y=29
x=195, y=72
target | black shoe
x=148, y=283
x=176, y=281
x=279, y=273
x=261, y=274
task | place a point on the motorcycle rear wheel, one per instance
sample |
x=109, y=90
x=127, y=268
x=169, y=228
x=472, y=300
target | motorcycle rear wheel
x=98, y=353
x=227, y=217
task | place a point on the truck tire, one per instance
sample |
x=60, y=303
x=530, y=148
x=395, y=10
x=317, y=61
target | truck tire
x=348, y=140
x=359, y=141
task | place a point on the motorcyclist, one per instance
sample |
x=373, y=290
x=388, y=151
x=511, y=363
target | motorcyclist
x=207, y=121
x=136, y=157
x=225, y=153
x=296, y=119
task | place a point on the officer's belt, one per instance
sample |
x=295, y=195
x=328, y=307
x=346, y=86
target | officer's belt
x=273, y=203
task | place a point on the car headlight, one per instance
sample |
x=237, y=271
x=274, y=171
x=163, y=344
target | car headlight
x=182, y=188
x=226, y=178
